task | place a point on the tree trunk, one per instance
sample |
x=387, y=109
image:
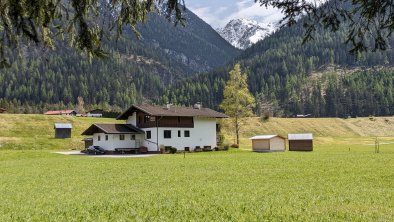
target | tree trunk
x=237, y=129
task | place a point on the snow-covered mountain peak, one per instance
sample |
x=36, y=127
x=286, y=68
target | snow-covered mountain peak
x=243, y=33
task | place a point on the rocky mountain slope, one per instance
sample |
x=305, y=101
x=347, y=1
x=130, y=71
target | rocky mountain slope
x=243, y=33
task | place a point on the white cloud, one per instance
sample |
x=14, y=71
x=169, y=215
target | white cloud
x=249, y=10
x=205, y=14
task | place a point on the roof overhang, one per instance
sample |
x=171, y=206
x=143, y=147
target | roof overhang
x=112, y=129
x=300, y=136
x=129, y=111
x=134, y=108
x=265, y=137
x=63, y=126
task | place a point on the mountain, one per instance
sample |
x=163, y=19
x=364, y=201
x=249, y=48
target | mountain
x=195, y=45
x=243, y=33
x=319, y=77
x=136, y=70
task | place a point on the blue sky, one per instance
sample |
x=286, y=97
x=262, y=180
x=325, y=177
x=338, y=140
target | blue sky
x=218, y=13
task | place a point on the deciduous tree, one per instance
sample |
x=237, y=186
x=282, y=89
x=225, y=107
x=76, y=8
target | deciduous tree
x=81, y=105
x=238, y=102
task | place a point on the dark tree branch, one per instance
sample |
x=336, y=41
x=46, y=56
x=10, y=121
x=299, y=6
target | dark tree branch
x=364, y=19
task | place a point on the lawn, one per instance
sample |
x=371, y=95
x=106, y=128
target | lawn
x=341, y=180
x=35, y=132
x=329, y=184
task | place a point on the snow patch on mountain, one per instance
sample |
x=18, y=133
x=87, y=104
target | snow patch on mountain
x=243, y=33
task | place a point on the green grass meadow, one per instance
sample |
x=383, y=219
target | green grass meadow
x=341, y=180
x=35, y=132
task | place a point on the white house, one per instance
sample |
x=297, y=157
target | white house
x=268, y=143
x=95, y=113
x=113, y=136
x=184, y=128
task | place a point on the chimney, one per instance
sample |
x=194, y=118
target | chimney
x=197, y=105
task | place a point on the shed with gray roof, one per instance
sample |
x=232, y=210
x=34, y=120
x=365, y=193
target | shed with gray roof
x=63, y=130
x=300, y=142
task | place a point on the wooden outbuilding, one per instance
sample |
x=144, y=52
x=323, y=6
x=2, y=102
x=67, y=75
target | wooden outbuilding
x=300, y=142
x=2, y=110
x=88, y=142
x=63, y=130
x=268, y=143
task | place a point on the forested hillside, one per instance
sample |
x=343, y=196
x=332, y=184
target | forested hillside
x=290, y=78
x=135, y=70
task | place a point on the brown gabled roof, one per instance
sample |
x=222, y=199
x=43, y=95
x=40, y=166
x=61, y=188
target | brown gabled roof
x=172, y=111
x=112, y=129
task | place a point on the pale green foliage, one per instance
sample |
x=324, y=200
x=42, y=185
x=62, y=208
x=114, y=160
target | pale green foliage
x=238, y=102
x=237, y=99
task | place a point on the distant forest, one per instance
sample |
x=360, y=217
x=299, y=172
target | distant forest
x=286, y=76
x=290, y=78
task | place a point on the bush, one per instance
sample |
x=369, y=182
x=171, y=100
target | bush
x=266, y=116
x=173, y=150
x=162, y=148
x=220, y=139
x=225, y=147
x=235, y=145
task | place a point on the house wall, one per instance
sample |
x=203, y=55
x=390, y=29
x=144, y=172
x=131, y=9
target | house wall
x=300, y=145
x=94, y=115
x=203, y=134
x=132, y=120
x=277, y=144
x=114, y=141
x=139, y=119
x=259, y=145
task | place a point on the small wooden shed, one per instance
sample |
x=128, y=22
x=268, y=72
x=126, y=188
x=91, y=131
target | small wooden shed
x=300, y=142
x=88, y=142
x=63, y=130
x=268, y=143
